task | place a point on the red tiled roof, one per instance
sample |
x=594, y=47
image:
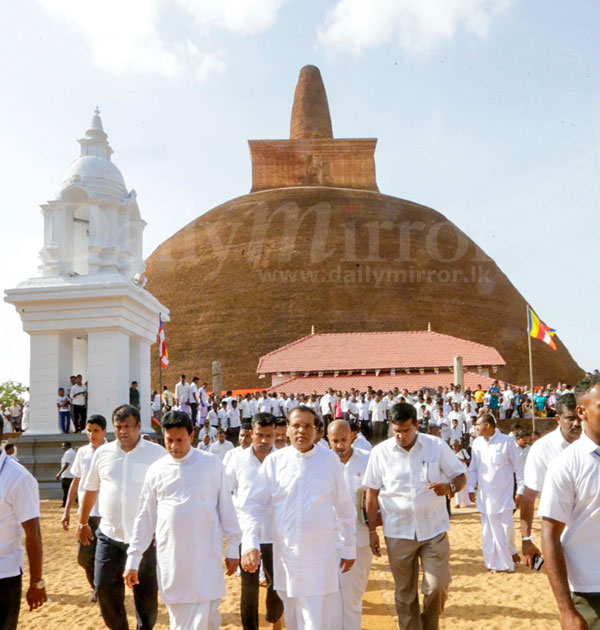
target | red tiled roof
x=376, y=350
x=385, y=382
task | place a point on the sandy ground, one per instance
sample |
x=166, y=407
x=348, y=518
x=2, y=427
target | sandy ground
x=522, y=600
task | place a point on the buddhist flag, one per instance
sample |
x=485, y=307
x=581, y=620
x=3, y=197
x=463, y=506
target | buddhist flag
x=538, y=330
x=393, y=371
x=162, y=344
x=363, y=372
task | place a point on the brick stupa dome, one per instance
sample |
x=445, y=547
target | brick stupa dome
x=316, y=244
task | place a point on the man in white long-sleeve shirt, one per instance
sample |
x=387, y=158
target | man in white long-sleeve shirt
x=115, y=479
x=494, y=465
x=190, y=571
x=353, y=583
x=302, y=489
x=241, y=473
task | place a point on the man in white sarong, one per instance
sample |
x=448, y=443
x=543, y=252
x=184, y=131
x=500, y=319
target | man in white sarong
x=494, y=465
x=302, y=489
x=353, y=583
x=241, y=472
x=190, y=575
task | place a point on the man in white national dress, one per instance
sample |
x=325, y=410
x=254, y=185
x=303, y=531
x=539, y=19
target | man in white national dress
x=186, y=489
x=302, y=489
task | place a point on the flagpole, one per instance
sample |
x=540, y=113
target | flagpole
x=530, y=372
x=159, y=368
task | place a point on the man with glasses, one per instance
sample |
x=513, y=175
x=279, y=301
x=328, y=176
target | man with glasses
x=495, y=463
x=302, y=490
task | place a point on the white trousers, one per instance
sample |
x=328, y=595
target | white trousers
x=317, y=612
x=198, y=616
x=353, y=585
x=498, y=535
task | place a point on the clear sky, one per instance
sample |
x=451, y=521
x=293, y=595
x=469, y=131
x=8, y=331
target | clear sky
x=486, y=110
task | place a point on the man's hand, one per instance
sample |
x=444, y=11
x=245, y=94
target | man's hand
x=131, y=577
x=517, y=501
x=472, y=497
x=440, y=489
x=529, y=549
x=251, y=560
x=57, y=477
x=346, y=565
x=84, y=534
x=65, y=520
x=374, y=543
x=572, y=620
x=231, y=565
x=35, y=597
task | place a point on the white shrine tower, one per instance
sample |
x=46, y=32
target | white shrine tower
x=88, y=312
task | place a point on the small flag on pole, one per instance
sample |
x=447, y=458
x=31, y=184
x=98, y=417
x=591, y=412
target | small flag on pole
x=363, y=372
x=538, y=330
x=162, y=344
x=393, y=371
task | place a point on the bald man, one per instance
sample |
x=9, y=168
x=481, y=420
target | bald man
x=353, y=583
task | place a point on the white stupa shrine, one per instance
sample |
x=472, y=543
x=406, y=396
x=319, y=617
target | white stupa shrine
x=88, y=312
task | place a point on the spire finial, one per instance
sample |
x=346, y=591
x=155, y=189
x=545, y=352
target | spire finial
x=312, y=330
x=310, y=113
x=97, y=111
x=428, y=326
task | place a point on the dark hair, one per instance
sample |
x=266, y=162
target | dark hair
x=281, y=422
x=264, y=419
x=489, y=418
x=177, y=420
x=122, y=412
x=96, y=418
x=515, y=426
x=134, y=382
x=402, y=412
x=354, y=426
x=305, y=409
x=522, y=434
x=67, y=444
x=566, y=401
x=246, y=426
x=586, y=385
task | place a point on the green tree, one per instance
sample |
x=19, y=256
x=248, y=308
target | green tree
x=11, y=390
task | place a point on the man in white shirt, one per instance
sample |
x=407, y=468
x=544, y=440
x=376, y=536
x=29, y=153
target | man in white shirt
x=96, y=434
x=115, y=480
x=193, y=400
x=570, y=513
x=358, y=439
x=522, y=442
x=494, y=466
x=408, y=477
x=353, y=583
x=207, y=429
x=188, y=520
x=182, y=395
x=213, y=416
x=246, y=409
x=19, y=514
x=78, y=396
x=244, y=442
x=234, y=421
x=290, y=403
x=327, y=405
x=302, y=490
x=378, y=411
x=203, y=402
x=281, y=433
x=459, y=416
x=541, y=455
x=64, y=475
x=241, y=472
x=204, y=444
x=221, y=446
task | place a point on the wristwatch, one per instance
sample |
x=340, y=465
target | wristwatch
x=452, y=487
x=39, y=584
x=524, y=538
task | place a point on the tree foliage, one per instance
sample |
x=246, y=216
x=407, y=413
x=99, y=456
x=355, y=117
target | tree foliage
x=11, y=390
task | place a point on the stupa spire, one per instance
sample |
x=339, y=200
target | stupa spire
x=96, y=140
x=310, y=113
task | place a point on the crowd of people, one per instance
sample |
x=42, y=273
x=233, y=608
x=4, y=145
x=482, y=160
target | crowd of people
x=298, y=487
